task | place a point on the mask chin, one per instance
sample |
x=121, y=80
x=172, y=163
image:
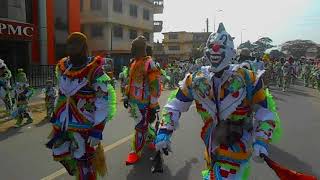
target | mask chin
x=220, y=67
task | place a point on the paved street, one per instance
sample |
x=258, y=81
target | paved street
x=24, y=156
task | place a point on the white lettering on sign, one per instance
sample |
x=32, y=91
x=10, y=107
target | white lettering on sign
x=25, y=31
x=19, y=30
x=2, y=27
x=14, y=30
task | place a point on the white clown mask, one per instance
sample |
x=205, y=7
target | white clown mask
x=219, y=50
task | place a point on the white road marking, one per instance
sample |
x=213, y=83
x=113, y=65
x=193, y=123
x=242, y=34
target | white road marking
x=106, y=148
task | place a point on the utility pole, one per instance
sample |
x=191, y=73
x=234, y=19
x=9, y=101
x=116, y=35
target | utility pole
x=207, y=23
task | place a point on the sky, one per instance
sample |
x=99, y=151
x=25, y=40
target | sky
x=281, y=20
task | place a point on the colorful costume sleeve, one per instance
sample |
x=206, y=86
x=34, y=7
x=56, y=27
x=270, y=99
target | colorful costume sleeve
x=105, y=103
x=179, y=101
x=264, y=116
x=154, y=84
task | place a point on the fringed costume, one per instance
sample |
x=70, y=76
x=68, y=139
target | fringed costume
x=85, y=103
x=142, y=93
x=238, y=115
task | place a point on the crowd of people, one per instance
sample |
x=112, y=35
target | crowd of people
x=239, y=115
x=283, y=72
x=16, y=97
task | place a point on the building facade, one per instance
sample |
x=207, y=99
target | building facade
x=111, y=25
x=182, y=45
x=34, y=31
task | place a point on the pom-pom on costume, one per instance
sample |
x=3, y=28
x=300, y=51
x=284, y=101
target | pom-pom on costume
x=23, y=93
x=232, y=103
x=50, y=96
x=5, y=87
x=142, y=93
x=85, y=103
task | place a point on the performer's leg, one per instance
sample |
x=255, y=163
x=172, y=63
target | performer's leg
x=8, y=103
x=28, y=116
x=139, y=139
x=86, y=170
x=19, y=116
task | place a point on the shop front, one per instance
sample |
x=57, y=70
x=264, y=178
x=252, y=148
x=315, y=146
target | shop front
x=16, y=43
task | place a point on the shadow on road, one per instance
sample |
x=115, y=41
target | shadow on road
x=279, y=98
x=43, y=122
x=300, y=93
x=142, y=170
x=290, y=161
x=12, y=131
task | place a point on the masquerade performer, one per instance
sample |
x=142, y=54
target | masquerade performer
x=23, y=93
x=239, y=121
x=141, y=98
x=51, y=94
x=85, y=103
x=123, y=76
x=286, y=69
x=5, y=87
x=278, y=72
x=306, y=73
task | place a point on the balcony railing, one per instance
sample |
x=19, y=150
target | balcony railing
x=158, y=5
x=157, y=26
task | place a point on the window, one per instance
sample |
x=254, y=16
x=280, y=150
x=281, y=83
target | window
x=173, y=36
x=3, y=8
x=95, y=4
x=174, y=48
x=133, y=34
x=81, y=5
x=147, y=36
x=117, y=31
x=146, y=14
x=117, y=6
x=133, y=10
x=29, y=12
x=96, y=30
x=16, y=3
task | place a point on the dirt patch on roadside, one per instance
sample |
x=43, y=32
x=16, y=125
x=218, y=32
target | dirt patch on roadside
x=38, y=112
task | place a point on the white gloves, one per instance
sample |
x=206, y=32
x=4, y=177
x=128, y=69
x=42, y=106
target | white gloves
x=257, y=150
x=163, y=143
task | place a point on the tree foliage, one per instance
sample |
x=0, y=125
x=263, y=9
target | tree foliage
x=297, y=48
x=261, y=45
x=258, y=47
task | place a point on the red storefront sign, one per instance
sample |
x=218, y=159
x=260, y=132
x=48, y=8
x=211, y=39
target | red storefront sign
x=16, y=30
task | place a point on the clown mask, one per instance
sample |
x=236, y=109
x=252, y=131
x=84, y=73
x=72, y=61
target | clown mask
x=219, y=50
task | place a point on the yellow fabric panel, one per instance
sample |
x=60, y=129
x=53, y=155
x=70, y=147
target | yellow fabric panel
x=259, y=96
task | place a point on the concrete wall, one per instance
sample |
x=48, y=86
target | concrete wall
x=108, y=18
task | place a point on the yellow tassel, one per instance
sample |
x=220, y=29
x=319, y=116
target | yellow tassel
x=99, y=161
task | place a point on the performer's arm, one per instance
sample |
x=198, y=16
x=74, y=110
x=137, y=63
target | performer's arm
x=264, y=116
x=105, y=104
x=180, y=102
x=154, y=75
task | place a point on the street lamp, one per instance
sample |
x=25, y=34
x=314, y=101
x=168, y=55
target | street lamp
x=243, y=29
x=214, y=19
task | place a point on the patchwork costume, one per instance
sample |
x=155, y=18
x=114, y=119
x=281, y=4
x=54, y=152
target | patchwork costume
x=85, y=103
x=23, y=92
x=50, y=96
x=239, y=121
x=142, y=94
x=123, y=77
x=5, y=87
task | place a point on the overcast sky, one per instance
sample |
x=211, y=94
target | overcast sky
x=281, y=20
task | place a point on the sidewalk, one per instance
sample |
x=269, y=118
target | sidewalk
x=37, y=98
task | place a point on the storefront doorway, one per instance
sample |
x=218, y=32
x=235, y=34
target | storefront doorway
x=15, y=54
